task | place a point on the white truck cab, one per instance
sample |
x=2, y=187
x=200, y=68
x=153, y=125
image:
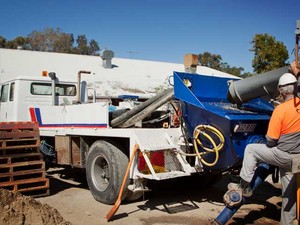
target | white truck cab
x=21, y=93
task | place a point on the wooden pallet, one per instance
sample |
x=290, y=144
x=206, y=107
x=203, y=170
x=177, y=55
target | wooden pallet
x=22, y=167
x=38, y=185
x=19, y=135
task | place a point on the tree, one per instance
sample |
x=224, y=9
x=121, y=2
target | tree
x=246, y=74
x=20, y=41
x=64, y=43
x=86, y=48
x=214, y=61
x=269, y=54
x=42, y=40
x=2, y=42
x=82, y=45
x=51, y=40
x=210, y=60
x=94, y=47
x=237, y=71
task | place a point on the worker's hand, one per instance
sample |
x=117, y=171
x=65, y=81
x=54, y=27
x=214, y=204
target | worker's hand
x=295, y=69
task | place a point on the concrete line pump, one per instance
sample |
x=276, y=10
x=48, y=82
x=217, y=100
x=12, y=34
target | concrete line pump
x=199, y=123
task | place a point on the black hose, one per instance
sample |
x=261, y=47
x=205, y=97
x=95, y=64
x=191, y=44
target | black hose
x=124, y=117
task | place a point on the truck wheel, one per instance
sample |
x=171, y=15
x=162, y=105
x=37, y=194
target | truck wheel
x=105, y=170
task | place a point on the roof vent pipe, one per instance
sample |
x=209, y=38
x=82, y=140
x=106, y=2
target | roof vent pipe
x=107, y=56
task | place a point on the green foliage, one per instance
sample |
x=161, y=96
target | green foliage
x=247, y=74
x=269, y=54
x=18, y=42
x=237, y=71
x=93, y=47
x=2, y=42
x=214, y=61
x=210, y=60
x=50, y=40
x=86, y=48
x=82, y=45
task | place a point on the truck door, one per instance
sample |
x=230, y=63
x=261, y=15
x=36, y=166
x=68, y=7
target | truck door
x=6, y=102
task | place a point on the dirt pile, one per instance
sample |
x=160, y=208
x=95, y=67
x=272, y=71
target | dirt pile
x=17, y=209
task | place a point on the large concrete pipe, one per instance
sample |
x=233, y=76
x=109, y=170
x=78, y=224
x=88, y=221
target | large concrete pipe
x=141, y=107
x=260, y=85
x=149, y=109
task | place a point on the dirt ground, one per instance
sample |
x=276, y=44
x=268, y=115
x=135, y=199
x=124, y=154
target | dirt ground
x=24, y=210
x=170, y=202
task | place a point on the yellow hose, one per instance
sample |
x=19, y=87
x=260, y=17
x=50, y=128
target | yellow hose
x=200, y=129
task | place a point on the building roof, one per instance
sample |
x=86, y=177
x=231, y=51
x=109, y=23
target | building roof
x=126, y=77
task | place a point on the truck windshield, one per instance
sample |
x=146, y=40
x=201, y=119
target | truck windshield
x=46, y=89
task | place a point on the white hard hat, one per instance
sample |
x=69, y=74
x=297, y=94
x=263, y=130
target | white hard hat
x=287, y=78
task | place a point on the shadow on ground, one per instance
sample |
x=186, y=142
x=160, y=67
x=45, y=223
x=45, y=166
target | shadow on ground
x=62, y=178
x=184, y=194
x=180, y=195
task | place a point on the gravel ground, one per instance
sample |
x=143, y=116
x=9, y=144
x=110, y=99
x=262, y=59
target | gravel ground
x=179, y=201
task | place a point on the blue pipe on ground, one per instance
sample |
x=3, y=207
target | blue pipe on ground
x=261, y=173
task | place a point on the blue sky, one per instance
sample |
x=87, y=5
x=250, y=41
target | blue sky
x=160, y=30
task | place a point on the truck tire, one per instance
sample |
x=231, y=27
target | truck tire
x=105, y=170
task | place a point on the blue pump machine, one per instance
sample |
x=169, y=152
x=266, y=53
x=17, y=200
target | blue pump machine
x=239, y=109
x=204, y=101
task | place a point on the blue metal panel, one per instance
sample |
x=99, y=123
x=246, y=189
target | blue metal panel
x=204, y=101
x=182, y=92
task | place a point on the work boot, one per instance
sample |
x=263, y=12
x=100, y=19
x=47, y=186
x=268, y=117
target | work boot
x=246, y=189
x=233, y=186
x=243, y=186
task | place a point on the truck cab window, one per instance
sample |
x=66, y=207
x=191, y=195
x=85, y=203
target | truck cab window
x=12, y=92
x=4, y=93
x=46, y=89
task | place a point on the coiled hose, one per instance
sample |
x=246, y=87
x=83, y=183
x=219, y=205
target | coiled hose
x=201, y=130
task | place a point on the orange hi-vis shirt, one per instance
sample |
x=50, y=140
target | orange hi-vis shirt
x=284, y=126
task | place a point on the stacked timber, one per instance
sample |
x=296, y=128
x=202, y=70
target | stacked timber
x=22, y=168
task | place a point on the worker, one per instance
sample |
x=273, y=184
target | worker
x=283, y=140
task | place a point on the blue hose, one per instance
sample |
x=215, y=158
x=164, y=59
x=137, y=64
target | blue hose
x=261, y=173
